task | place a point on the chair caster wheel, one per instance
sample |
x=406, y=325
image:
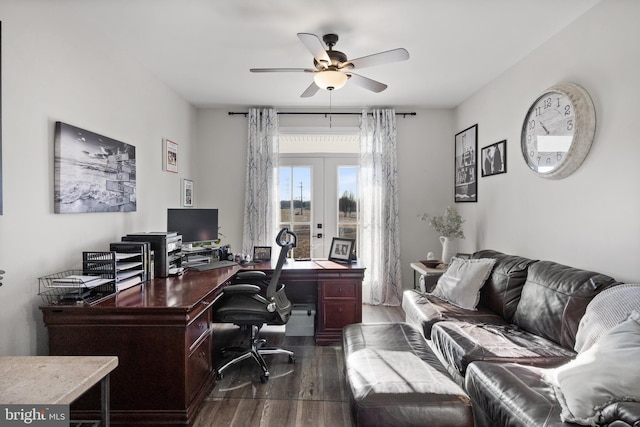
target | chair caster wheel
x=292, y=359
x=264, y=379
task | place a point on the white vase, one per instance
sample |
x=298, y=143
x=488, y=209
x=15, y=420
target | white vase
x=449, y=248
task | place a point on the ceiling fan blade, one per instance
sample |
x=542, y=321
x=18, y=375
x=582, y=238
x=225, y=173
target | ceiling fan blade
x=282, y=70
x=366, y=82
x=315, y=46
x=310, y=91
x=394, y=55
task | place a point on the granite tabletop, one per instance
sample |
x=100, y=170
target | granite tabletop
x=50, y=379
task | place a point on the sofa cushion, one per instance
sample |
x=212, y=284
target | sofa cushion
x=501, y=292
x=461, y=343
x=509, y=394
x=424, y=310
x=610, y=368
x=554, y=299
x=461, y=283
x=394, y=378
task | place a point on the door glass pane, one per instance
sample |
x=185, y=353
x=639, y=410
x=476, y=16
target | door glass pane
x=295, y=206
x=348, y=202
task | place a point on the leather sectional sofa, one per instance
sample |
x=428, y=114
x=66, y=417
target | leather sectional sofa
x=526, y=323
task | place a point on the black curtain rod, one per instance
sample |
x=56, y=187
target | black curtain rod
x=404, y=115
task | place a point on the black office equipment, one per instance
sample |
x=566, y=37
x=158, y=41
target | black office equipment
x=166, y=247
x=194, y=225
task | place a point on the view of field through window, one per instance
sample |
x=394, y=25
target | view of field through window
x=296, y=203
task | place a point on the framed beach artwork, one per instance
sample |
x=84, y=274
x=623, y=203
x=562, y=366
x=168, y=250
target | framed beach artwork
x=93, y=173
x=466, y=172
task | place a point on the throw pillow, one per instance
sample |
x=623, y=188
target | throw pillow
x=461, y=283
x=606, y=373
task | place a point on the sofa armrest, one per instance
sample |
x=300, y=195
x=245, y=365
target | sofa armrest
x=621, y=414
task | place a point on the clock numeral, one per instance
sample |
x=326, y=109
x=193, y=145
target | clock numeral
x=567, y=110
x=558, y=156
x=532, y=124
x=548, y=160
x=547, y=103
x=570, y=124
x=531, y=153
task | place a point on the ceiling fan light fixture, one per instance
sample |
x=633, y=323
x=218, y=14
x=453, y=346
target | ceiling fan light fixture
x=330, y=79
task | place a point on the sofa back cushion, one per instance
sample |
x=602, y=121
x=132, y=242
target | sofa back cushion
x=501, y=292
x=554, y=299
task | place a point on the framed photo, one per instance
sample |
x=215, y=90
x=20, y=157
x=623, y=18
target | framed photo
x=341, y=249
x=261, y=253
x=494, y=158
x=92, y=172
x=187, y=193
x=466, y=173
x=463, y=255
x=170, y=156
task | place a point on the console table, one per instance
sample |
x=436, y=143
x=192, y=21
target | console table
x=162, y=333
x=425, y=278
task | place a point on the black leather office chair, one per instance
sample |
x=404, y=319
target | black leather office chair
x=242, y=304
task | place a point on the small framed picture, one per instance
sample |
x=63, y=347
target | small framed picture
x=170, y=156
x=341, y=249
x=187, y=193
x=466, y=174
x=494, y=158
x=261, y=253
x=463, y=255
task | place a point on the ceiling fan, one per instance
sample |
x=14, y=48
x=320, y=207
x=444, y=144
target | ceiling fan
x=333, y=69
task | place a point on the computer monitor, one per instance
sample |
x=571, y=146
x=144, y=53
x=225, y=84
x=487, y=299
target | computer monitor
x=195, y=225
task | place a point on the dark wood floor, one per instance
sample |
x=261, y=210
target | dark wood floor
x=310, y=392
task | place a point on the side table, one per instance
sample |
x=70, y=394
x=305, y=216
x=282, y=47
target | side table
x=425, y=278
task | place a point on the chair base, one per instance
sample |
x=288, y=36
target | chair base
x=256, y=351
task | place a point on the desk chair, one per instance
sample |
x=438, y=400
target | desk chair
x=242, y=305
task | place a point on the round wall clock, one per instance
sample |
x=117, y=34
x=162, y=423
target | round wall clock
x=558, y=131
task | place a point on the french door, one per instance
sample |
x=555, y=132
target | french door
x=318, y=200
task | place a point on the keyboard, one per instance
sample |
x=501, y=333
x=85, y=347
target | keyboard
x=213, y=265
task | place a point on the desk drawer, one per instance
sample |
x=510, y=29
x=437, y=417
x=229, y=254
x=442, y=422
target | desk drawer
x=339, y=289
x=199, y=368
x=198, y=328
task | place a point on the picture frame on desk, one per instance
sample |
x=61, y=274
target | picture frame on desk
x=342, y=250
x=187, y=193
x=261, y=253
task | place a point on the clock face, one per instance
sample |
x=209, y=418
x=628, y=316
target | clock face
x=548, y=132
x=558, y=131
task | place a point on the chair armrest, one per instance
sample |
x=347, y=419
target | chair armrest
x=250, y=275
x=622, y=414
x=241, y=289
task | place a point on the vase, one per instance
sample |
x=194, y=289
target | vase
x=449, y=248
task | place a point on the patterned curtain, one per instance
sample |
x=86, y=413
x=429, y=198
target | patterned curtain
x=379, y=234
x=261, y=180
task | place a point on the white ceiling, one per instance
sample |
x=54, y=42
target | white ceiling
x=203, y=49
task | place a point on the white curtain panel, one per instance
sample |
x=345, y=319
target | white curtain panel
x=261, y=196
x=379, y=234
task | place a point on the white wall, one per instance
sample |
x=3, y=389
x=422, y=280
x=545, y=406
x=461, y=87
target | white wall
x=54, y=68
x=424, y=161
x=590, y=219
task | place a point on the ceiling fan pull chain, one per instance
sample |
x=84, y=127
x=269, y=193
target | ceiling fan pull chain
x=330, y=116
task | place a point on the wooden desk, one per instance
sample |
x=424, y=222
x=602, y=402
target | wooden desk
x=52, y=380
x=162, y=334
